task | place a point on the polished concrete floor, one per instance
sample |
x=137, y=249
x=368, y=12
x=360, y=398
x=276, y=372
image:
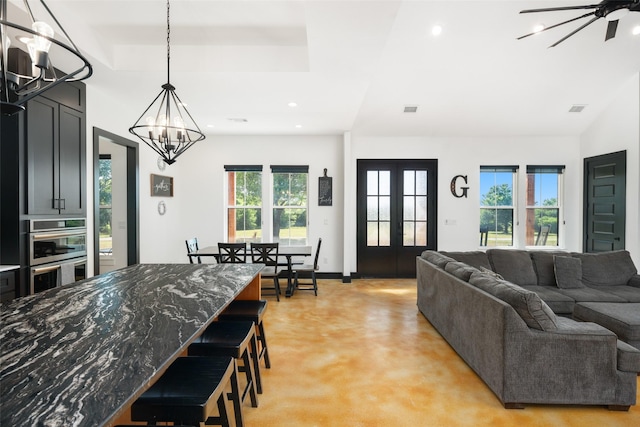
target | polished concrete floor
x=361, y=354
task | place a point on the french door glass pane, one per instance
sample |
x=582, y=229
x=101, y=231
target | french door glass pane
x=409, y=213
x=385, y=208
x=421, y=208
x=421, y=234
x=408, y=236
x=385, y=183
x=421, y=183
x=409, y=182
x=385, y=234
x=372, y=234
x=372, y=183
x=372, y=209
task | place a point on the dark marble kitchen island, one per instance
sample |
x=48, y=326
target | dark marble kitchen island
x=80, y=354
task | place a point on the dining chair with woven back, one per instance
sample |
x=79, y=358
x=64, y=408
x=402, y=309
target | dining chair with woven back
x=267, y=254
x=232, y=253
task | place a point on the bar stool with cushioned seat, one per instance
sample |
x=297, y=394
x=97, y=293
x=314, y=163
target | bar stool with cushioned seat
x=187, y=392
x=238, y=340
x=250, y=310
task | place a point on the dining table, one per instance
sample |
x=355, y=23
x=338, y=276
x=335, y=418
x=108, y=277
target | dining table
x=288, y=252
x=80, y=354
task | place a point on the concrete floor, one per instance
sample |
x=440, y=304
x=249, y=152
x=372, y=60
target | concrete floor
x=361, y=354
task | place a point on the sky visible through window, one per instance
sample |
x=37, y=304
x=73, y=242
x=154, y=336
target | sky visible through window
x=546, y=188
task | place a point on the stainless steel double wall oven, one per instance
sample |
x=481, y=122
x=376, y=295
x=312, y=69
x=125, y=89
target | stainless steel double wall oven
x=57, y=252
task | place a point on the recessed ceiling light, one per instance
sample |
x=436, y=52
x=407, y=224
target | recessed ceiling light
x=539, y=27
x=210, y=126
x=436, y=30
x=636, y=30
x=292, y=104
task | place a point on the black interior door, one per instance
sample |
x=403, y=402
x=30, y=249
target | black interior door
x=605, y=201
x=396, y=215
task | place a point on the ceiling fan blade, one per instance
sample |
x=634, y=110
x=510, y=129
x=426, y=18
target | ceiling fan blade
x=552, y=9
x=575, y=31
x=611, y=30
x=557, y=25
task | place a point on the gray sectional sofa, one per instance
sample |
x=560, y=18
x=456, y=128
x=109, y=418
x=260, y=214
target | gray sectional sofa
x=503, y=313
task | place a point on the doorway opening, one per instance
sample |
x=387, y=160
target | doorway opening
x=116, y=216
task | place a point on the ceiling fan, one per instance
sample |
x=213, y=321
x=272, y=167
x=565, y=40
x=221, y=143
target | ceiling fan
x=611, y=10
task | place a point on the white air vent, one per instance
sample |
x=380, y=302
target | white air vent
x=238, y=120
x=576, y=108
x=410, y=108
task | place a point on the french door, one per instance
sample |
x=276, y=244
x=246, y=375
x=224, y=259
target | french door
x=396, y=211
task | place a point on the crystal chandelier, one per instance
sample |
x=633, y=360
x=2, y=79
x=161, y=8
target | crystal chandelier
x=26, y=67
x=166, y=126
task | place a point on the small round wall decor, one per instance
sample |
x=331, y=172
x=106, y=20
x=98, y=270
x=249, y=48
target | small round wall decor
x=162, y=208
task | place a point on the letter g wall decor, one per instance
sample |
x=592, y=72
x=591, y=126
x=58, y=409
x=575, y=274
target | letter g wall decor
x=454, y=191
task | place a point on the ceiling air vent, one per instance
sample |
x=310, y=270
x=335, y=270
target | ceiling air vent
x=410, y=108
x=576, y=108
x=238, y=119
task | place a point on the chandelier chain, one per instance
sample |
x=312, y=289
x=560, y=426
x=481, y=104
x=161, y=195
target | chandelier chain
x=168, y=42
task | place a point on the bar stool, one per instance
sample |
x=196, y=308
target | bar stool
x=250, y=310
x=238, y=340
x=187, y=392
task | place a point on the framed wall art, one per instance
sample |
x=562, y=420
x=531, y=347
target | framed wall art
x=161, y=186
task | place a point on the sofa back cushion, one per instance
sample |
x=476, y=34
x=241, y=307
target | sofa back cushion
x=459, y=269
x=535, y=312
x=544, y=267
x=514, y=265
x=568, y=272
x=436, y=258
x=607, y=268
x=475, y=259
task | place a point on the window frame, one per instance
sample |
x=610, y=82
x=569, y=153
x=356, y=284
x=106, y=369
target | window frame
x=530, y=237
x=228, y=205
x=289, y=169
x=513, y=207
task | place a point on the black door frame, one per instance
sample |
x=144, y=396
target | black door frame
x=133, y=208
x=399, y=251
x=618, y=156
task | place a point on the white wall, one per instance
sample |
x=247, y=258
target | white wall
x=617, y=129
x=197, y=206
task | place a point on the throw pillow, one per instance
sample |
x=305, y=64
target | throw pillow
x=535, y=312
x=514, y=265
x=568, y=272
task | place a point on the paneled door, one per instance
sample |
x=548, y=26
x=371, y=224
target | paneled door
x=605, y=197
x=396, y=212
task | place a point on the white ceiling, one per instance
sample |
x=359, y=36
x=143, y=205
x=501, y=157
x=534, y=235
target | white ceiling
x=354, y=65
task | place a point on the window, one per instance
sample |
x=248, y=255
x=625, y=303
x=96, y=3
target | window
x=104, y=185
x=543, y=205
x=244, y=203
x=497, y=205
x=290, y=207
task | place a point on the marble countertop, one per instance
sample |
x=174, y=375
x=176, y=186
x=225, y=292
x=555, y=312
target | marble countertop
x=78, y=355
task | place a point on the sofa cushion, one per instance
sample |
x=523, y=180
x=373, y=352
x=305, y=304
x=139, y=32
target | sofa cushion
x=436, y=258
x=461, y=270
x=514, y=265
x=627, y=293
x=559, y=303
x=535, y=312
x=588, y=294
x=491, y=273
x=475, y=259
x=607, y=268
x=628, y=357
x=543, y=266
x=568, y=271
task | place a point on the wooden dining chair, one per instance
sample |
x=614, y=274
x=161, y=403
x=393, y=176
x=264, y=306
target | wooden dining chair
x=267, y=254
x=192, y=246
x=232, y=253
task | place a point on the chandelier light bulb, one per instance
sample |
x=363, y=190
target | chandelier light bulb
x=42, y=44
x=151, y=123
x=179, y=125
